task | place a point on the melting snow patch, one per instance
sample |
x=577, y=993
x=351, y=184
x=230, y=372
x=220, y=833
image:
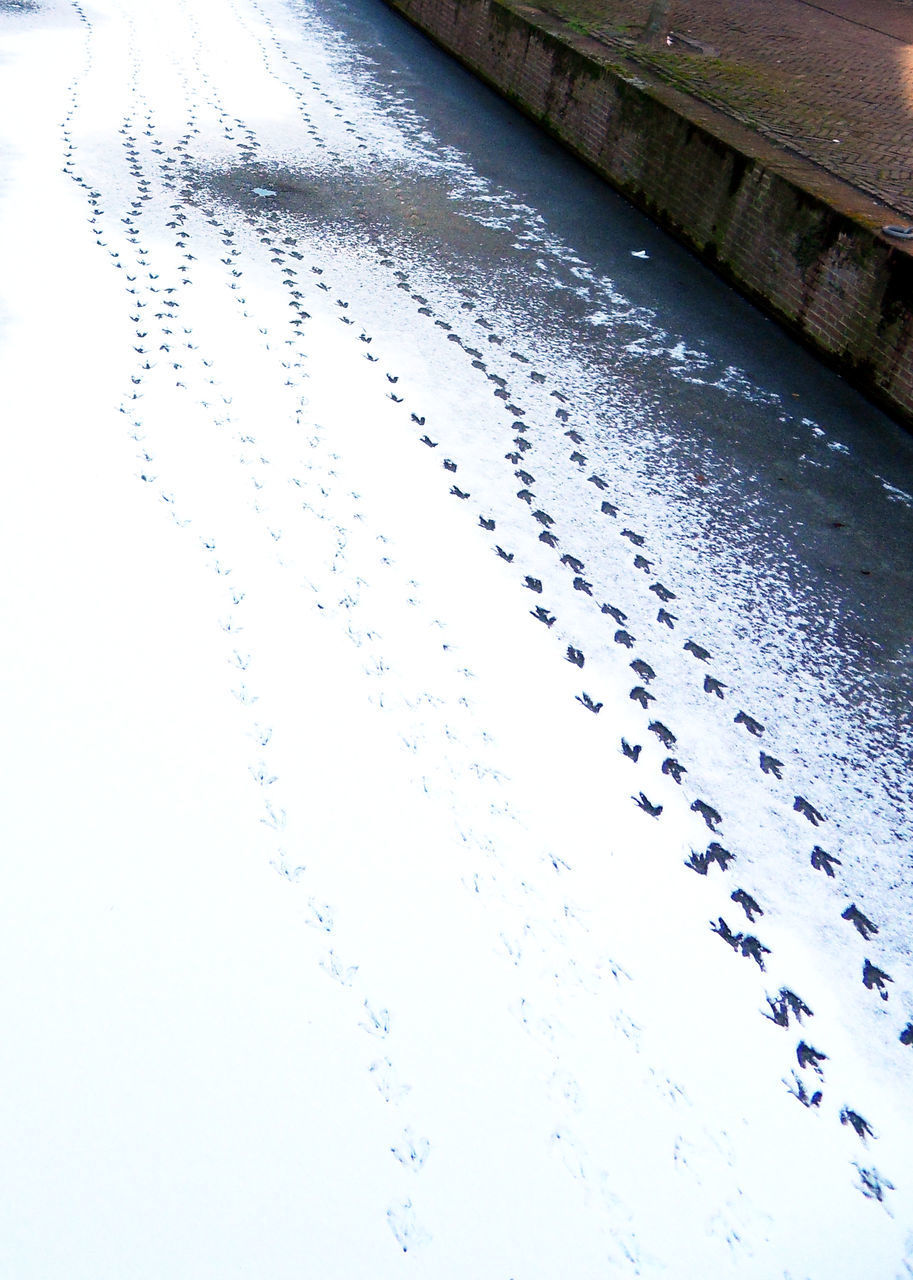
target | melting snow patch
x=895, y=494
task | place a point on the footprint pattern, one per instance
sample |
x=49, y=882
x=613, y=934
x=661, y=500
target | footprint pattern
x=520, y=458
x=166, y=346
x=156, y=201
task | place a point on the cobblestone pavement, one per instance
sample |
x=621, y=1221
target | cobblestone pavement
x=832, y=80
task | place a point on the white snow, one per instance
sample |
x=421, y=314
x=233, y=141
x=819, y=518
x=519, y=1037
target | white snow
x=333, y=942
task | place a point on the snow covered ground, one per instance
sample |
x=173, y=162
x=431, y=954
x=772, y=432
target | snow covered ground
x=364, y=913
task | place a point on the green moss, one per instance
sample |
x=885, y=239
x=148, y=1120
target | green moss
x=810, y=243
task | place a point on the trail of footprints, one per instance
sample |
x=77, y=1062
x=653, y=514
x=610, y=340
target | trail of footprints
x=784, y=1007
x=413, y=1150
x=163, y=343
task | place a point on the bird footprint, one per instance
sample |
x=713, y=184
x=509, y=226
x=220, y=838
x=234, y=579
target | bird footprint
x=385, y=1079
x=274, y=818
x=411, y=1152
x=281, y=867
x=570, y=1154
x=563, y=1085
x=378, y=1021
x=873, y=1184
x=344, y=974
x=409, y=1234
x=322, y=916
x=261, y=774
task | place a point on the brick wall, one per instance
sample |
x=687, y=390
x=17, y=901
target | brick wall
x=830, y=278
